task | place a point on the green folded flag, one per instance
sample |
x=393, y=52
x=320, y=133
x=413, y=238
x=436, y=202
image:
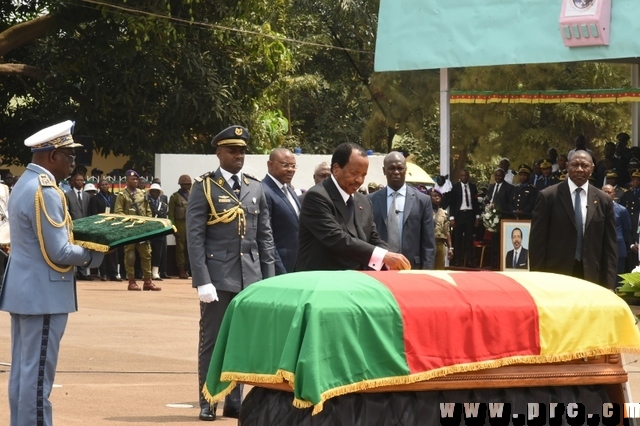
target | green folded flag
x=104, y=232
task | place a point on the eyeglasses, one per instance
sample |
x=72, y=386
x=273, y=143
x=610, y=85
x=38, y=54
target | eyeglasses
x=71, y=158
x=288, y=165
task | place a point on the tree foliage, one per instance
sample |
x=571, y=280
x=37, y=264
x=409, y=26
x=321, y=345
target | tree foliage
x=152, y=76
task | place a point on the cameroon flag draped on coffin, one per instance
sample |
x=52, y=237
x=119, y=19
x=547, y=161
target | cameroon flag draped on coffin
x=329, y=333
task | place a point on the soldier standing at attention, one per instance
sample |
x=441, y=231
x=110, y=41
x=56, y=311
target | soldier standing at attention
x=523, y=196
x=177, y=214
x=39, y=288
x=133, y=201
x=230, y=247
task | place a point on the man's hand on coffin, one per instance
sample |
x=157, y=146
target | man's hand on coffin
x=207, y=293
x=396, y=261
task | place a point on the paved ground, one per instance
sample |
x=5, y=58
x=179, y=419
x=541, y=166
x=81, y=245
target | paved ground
x=127, y=356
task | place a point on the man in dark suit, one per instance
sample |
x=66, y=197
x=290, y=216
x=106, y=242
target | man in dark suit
x=573, y=230
x=623, y=229
x=518, y=258
x=283, y=206
x=499, y=195
x=230, y=247
x=337, y=231
x=104, y=202
x=77, y=198
x=78, y=205
x=464, y=212
x=408, y=211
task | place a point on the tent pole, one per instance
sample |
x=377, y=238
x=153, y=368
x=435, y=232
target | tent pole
x=635, y=106
x=445, y=122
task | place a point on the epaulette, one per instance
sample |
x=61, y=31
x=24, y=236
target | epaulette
x=45, y=180
x=203, y=177
x=252, y=177
x=623, y=188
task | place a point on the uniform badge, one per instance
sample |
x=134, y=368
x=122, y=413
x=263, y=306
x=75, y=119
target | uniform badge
x=254, y=200
x=45, y=180
x=224, y=199
x=246, y=181
x=220, y=181
x=238, y=131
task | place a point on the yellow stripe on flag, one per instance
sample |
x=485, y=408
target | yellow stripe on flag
x=578, y=317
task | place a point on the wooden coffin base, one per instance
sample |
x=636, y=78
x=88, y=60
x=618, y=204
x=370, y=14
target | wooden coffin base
x=604, y=370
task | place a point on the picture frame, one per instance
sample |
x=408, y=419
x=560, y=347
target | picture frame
x=509, y=228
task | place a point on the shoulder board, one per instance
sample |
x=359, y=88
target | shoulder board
x=45, y=180
x=623, y=188
x=252, y=177
x=203, y=177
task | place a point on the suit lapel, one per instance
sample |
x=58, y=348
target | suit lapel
x=592, y=204
x=565, y=198
x=408, y=204
x=217, y=176
x=336, y=197
x=381, y=206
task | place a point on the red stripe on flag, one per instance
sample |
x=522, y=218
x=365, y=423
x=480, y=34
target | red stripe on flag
x=484, y=316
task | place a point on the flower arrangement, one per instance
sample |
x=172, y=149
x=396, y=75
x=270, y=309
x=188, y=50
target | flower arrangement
x=491, y=218
x=630, y=283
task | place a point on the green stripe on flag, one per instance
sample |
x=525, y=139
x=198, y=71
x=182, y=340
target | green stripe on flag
x=323, y=329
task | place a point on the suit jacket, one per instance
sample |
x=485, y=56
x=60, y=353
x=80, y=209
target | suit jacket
x=523, y=259
x=30, y=285
x=502, y=199
x=160, y=210
x=218, y=253
x=418, y=241
x=284, y=224
x=624, y=234
x=328, y=239
x=75, y=209
x=455, y=199
x=98, y=204
x=552, y=244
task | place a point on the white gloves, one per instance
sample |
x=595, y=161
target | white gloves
x=207, y=293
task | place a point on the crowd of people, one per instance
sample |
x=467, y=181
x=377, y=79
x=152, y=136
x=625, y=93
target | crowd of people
x=234, y=229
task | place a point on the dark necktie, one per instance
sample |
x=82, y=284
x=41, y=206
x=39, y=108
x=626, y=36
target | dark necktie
x=350, y=207
x=79, y=198
x=236, y=185
x=515, y=259
x=577, y=205
x=466, y=195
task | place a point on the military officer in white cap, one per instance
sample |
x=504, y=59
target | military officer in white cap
x=39, y=285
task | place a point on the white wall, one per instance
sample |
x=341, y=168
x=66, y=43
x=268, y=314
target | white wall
x=169, y=167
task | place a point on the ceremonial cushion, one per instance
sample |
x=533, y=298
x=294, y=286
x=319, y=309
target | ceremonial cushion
x=106, y=231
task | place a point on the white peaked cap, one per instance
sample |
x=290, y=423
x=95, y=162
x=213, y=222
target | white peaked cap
x=56, y=136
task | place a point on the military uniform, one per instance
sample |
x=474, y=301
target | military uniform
x=135, y=203
x=442, y=234
x=39, y=287
x=178, y=214
x=230, y=245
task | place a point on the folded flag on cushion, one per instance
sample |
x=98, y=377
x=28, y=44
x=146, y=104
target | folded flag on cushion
x=104, y=232
x=329, y=333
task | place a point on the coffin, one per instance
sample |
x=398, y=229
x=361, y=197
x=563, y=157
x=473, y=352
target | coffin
x=321, y=335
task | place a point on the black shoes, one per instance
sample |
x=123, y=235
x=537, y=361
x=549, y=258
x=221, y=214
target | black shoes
x=207, y=415
x=231, y=412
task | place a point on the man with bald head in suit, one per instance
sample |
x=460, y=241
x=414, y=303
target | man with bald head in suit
x=573, y=231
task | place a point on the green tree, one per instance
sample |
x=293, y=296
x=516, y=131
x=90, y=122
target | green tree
x=136, y=81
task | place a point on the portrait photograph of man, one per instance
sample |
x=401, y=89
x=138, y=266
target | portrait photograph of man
x=516, y=238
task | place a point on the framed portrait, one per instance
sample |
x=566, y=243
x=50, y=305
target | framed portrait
x=514, y=244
